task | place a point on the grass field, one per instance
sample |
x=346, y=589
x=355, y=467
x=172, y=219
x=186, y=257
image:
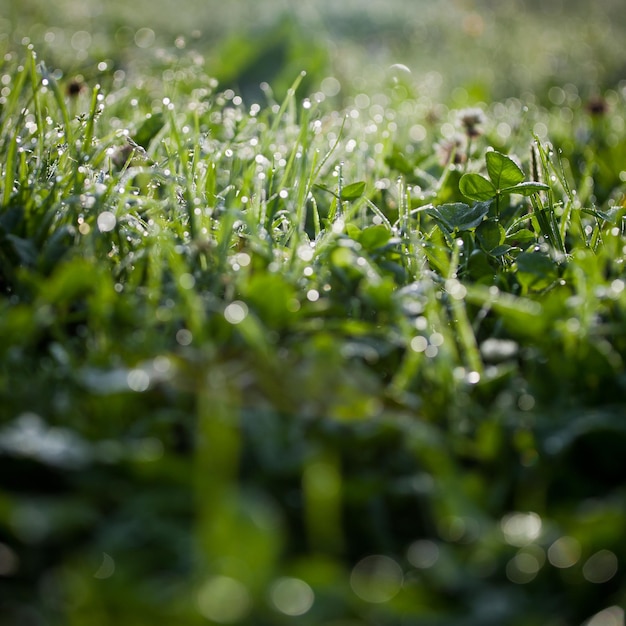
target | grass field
x=312, y=313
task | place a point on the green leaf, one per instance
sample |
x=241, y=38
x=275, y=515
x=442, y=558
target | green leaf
x=272, y=298
x=353, y=231
x=521, y=237
x=500, y=250
x=374, y=237
x=479, y=267
x=535, y=270
x=526, y=189
x=502, y=170
x=477, y=187
x=353, y=191
x=459, y=216
x=610, y=215
x=490, y=234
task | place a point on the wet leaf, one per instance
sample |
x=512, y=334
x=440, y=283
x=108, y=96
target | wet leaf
x=500, y=250
x=521, y=237
x=459, y=216
x=477, y=187
x=502, y=170
x=374, y=237
x=527, y=189
x=490, y=234
x=353, y=191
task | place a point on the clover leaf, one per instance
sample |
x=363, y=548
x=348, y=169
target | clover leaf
x=505, y=177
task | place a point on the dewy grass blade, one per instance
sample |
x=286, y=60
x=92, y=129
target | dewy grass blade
x=331, y=150
x=10, y=164
x=465, y=336
x=9, y=170
x=291, y=92
x=36, y=84
x=59, y=99
x=91, y=121
x=11, y=122
x=12, y=105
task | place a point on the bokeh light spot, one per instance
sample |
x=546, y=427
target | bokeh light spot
x=107, y=567
x=611, y=616
x=138, y=380
x=564, y=552
x=184, y=337
x=144, y=37
x=9, y=561
x=223, y=600
x=522, y=568
x=106, y=221
x=236, y=312
x=376, y=578
x=423, y=553
x=600, y=567
x=292, y=596
x=520, y=529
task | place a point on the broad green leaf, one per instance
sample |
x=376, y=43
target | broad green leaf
x=477, y=187
x=344, y=258
x=502, y=170
x=535, y=270
x=272, y=298
x=353, y=191
x=353, y=231
x=479, y=267
x=526, y=189
x=521, y=237
x=374, y=237
x=500, y=250
x=490, y=234
x=459, y=216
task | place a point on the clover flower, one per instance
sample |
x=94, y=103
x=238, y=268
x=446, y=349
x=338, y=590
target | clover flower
x=597, y=106
x=451, y=150
x=470, y=120
x=75, y=87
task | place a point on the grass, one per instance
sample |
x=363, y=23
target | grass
x=286, y=359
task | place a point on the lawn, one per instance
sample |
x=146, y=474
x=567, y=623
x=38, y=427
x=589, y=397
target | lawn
x=312, y=313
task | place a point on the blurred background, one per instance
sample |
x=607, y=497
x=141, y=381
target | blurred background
x=464, y=50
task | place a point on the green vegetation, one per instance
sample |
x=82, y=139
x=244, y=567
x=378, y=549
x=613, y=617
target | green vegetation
x=334, y=352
